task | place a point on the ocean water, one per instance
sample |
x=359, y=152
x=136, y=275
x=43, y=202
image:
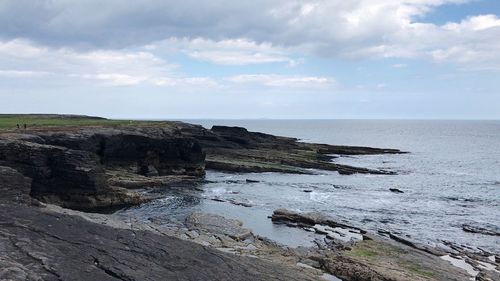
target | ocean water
x=450, y=177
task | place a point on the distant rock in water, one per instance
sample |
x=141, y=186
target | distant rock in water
x=252, y=181
x=486, y=229
x=395, y=190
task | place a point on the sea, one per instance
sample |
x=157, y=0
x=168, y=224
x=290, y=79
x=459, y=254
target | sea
x=449, y=177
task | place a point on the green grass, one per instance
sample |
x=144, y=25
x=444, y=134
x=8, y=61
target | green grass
x=376, y=252
x=11, y=121
x=362, y=252
x=416, y=268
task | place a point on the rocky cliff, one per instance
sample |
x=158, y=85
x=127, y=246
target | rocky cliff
x=85, y=168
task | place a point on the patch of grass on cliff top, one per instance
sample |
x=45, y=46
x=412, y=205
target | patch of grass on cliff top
x=36, y=121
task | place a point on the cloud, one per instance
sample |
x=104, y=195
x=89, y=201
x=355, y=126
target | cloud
x=236, y=52
x=24, y=59
x=239, y=51
x=260, y=31
x=22, y=73
x=283, y=80
x=476, y=23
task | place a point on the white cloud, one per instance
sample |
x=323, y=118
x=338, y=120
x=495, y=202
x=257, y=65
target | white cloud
x=24, y=59
x=239, y=51
x=283, y=80
x=476, y=23
x=235, y=52
x=22, y=73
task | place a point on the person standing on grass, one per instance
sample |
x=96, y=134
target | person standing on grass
x=24, y=126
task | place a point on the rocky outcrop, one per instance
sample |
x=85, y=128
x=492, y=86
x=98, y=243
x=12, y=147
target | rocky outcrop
x=368, y=257
x=235, y=149
x=70, y=178
x=292, y=218
x=90, y=168
x=53, y=168
x=40, y=245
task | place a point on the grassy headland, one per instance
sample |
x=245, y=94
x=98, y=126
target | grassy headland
x=10, y=121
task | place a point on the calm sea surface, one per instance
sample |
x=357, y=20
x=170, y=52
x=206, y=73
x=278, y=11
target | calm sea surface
x=450, y=177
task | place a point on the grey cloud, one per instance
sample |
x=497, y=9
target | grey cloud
x=352, y=29
x=118, y=24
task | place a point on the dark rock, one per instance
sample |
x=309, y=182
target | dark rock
x=14, y=186
x=485, y=229
x=54, y=170
x=251, y=181
x=431, y=250
x=235, y=149
x=71, y=167
x=145, y=148
x=308, y=219
x=36, y=245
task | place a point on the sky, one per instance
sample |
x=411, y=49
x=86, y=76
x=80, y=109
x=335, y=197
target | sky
x=283, y=59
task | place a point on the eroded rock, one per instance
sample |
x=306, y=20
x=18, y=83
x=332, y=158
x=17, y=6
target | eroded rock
x=218, y=224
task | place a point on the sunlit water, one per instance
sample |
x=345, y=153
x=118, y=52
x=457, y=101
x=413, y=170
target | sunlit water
x=450, y=177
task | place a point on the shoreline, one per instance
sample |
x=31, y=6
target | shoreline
x=108, y=166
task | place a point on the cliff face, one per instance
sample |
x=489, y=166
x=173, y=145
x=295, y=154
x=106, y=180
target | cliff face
x=71, y=168
x=153, y=151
